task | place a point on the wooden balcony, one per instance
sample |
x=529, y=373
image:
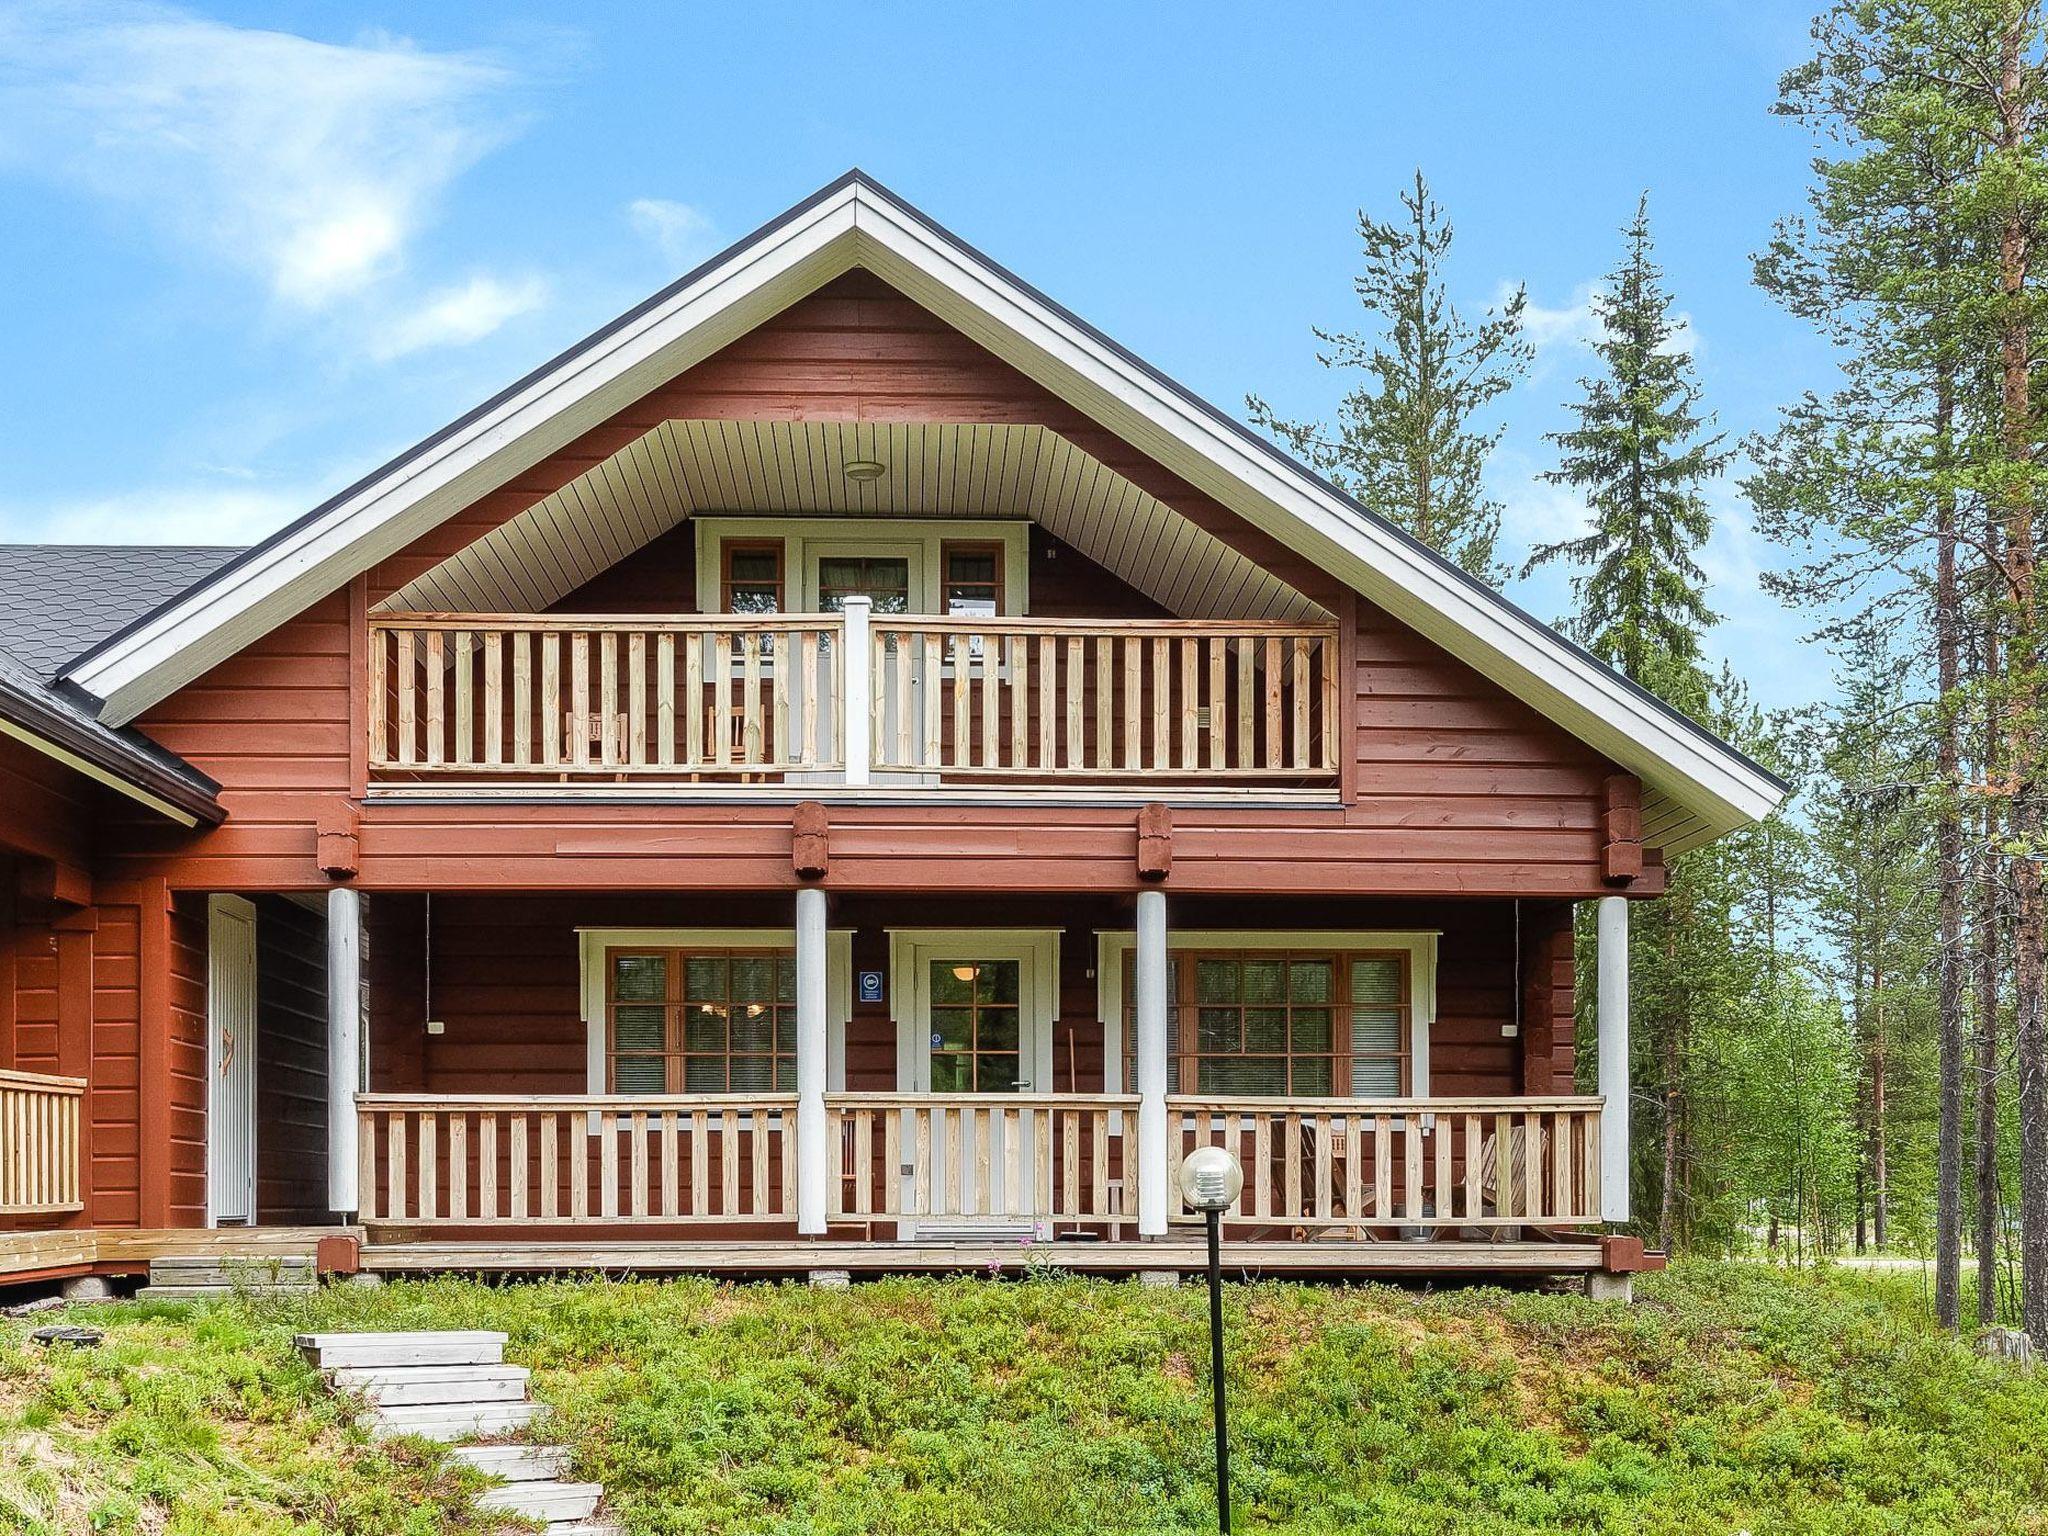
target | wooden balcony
x=1363, y=1169
x=39, y=1144
x=481, y=700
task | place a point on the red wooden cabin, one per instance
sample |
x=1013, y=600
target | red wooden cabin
x=845, y=768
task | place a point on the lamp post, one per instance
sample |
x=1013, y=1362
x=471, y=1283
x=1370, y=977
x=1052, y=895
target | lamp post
x=1210, y=1182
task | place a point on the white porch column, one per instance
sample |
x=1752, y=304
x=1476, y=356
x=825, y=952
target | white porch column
x=1612, y=1016
x=1150, y=1045
x=812, y=1164
x=856, y=718
x=344, y=1042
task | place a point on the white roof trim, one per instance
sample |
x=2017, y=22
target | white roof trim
x=855, y=223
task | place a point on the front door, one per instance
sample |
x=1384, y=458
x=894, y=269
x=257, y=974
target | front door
x=231, y=1062
x=981, y=1027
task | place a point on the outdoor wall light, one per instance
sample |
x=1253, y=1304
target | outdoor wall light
x=864, y=469
x=1211, y=1179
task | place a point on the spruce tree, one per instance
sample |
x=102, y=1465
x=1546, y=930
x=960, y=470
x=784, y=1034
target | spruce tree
x=1639, y=457
x=1406, y=444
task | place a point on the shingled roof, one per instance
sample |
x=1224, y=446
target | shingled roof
x=58, y=600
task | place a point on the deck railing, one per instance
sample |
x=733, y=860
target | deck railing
x=1016, y=1157
x=1130, y=699
x=507, y=698
x=429, y=1160
x=39, y=1144
x=1374, y=1167
x=493, y=695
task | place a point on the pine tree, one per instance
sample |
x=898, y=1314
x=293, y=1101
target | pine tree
x=1406, y=444
x=1638, y=456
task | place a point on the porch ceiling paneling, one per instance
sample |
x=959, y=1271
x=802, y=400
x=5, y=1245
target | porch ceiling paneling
x=935, y=469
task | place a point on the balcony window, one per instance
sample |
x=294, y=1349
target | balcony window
x=752, y=577
x=884, y=580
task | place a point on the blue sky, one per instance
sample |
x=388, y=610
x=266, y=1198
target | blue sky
x=251, y=251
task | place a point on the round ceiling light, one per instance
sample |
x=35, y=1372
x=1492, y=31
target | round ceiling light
x=865, y=469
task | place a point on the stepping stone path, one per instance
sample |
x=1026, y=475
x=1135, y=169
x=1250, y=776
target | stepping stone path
x=455, y=1386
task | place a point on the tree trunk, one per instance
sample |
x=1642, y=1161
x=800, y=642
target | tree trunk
x=1990, y=1214
x=2030, y=1031
x=1948, y=839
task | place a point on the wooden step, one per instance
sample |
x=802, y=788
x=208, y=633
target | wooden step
x=515, y=1463
x=543, y=1501
x=584, y=1528
x=396, y=1384
x=212, y=1268
x=332, y=1351
x=218, y=1292
x=453, y=1421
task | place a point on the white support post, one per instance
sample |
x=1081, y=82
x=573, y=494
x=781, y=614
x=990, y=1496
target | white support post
x=812, y=1164
x=344, y=1043
x=1150, y=1045
x=856, y=712
x=1612, y=1017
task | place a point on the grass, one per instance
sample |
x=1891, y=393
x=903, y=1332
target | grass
x=1732, y=1397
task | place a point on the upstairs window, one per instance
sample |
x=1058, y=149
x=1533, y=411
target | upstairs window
x=751, y=577
x=973, y=579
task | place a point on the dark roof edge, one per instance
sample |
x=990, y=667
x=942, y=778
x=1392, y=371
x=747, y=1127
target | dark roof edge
x=128, y=756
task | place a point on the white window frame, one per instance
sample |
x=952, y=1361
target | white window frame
x=920, y=540
x=595, y=945
x=1038, y=997
x=1112, y=946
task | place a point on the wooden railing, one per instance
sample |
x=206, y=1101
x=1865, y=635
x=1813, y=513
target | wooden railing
x=941, y=1157
x=1136, y=699
x=428, y=1160
x=39, y=1144
x=498, y=697
x=508, y=694
x=1375, y=1167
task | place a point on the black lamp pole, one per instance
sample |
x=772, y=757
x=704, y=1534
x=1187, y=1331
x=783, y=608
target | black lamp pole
x=1216, y=1369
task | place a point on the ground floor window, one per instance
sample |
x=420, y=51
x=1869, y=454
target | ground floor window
x=700, y=1021
x=1295, y=1023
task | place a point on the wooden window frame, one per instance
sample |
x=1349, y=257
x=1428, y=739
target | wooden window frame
x=1415, y=951
x=675, y=1054
x=728, y=547
x=948, y=548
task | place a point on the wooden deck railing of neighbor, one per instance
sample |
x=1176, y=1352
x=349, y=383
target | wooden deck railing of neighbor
x=39, y=1148
x=941, y=1157
x=484, y=698
x=427, y=1160
x=1374, y=1167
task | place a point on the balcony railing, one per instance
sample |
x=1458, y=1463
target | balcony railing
x=39, y=1152
x=819, y=698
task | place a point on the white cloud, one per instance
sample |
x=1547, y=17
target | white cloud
x=179, y=514
x=1575, y=323
x=311, y=164
x=681, y=233
x=457, y=316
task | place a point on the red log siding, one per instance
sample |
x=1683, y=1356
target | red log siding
x=291, y=1063
x=46, y=809
x=507, y=988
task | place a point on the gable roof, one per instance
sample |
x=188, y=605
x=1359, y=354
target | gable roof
x=1696, y=786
